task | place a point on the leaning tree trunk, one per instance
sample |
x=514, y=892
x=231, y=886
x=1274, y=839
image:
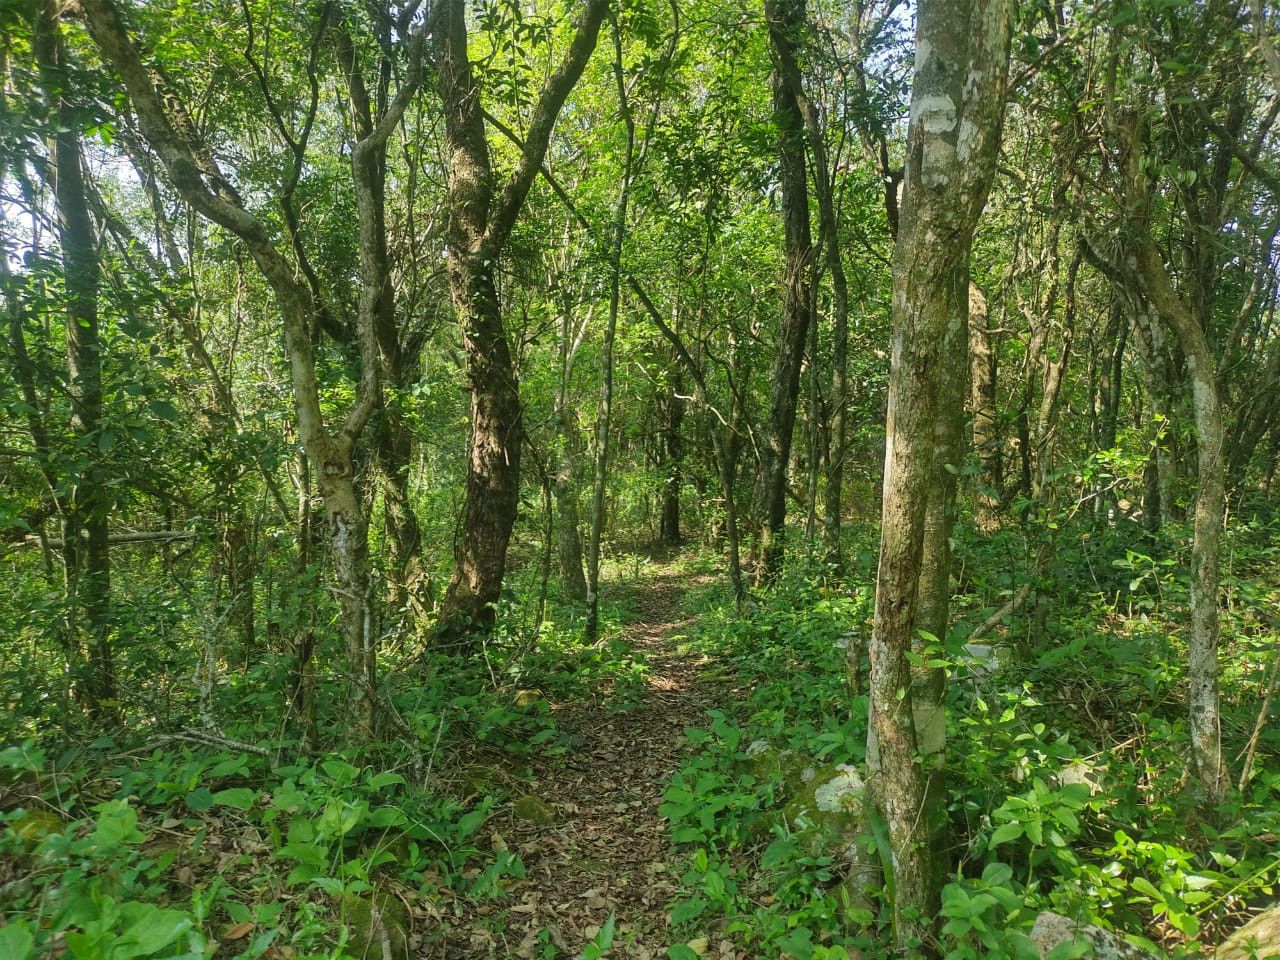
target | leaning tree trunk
x=85, y=550
x=957, y=107
x=785, y=18
x=196, y=176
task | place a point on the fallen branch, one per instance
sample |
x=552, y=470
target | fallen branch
x=1010, y=608
x=115, y=539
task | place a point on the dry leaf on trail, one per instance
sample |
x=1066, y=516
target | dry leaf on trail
x=240, y=930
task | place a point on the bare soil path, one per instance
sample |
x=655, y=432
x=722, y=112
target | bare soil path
x=607, y=851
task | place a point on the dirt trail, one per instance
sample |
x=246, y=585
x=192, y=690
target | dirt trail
x=607, y=851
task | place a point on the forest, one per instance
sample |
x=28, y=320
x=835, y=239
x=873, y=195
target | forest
x=639, y=479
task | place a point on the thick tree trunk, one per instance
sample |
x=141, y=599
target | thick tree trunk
x=481, y=217
x=349, y=549
x=952, y=141
x=785, y=18
x=493, y=462
x=86, y=553
x=928, y=684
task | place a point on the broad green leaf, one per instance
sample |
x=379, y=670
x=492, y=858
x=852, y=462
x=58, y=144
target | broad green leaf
x=1006, y=832
x=241, y=798
x=16, y=941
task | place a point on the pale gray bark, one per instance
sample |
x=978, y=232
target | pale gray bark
x=957, y=107
x=197, y=178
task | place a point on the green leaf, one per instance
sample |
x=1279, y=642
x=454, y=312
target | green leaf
x=602, y=941
x=163, y=409
x=1006, y=832
x=340, y=772
x=200, y=799
x=117, y=824
x=149, y=929
x=997, y=874
x=241, y=798
x=385, y=779
x=1143, y=885
x=16, y=942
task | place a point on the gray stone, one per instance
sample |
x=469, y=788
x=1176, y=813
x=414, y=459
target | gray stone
x=1052, y=930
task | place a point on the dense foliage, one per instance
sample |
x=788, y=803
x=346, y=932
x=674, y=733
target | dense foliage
x=398, y=400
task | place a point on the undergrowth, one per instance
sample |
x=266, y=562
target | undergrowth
x=197, y=839
x=1067, y=760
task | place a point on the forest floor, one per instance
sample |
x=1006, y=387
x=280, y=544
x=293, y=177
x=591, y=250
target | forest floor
x=606, y=852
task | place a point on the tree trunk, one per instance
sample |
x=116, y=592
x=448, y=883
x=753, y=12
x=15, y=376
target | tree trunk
x=611, y=325
x=785, y=18
x=671, y=408
x=493, y=464
x=86, y=554
x=957, y=107
x=983, y=372
x=303, y=640
x=568, y=536
x=1202, y=642
x=481, y=217
x=196, y=175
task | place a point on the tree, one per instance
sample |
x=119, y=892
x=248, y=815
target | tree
x=482, y=213
x=785, y=19
x=86, y=506
x=196, y=176
x=957, y=106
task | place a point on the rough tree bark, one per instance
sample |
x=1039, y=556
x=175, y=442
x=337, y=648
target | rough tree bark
x=481, y=216
x=983, y=373
x=377, y=307
x=785, y=19
x=791, y=78
x=957, y=108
